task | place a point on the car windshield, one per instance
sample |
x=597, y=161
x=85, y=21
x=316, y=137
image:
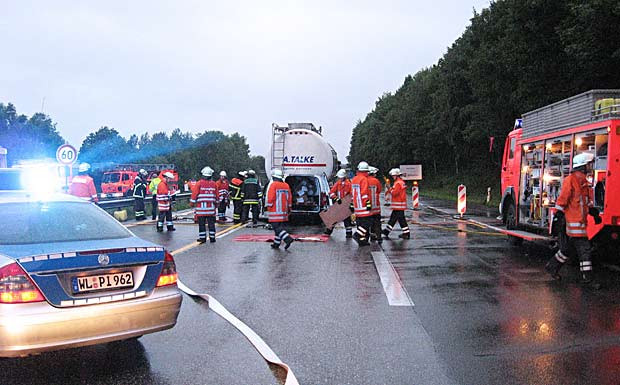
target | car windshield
x=111, y=178
x=45, y=222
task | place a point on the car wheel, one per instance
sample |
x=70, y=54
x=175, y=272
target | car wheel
x=511, y=224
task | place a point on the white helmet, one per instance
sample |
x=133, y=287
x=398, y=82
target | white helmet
x=395, y=171
x=207, y=171
x=143, y=172
x=223, y=173
x=342, y=173
x=251, y=172
x=243, y=173
x=582, y=159
x=168, y=174
x=277, y=173
x=372, y=170
x=84, y=167
x=362, y=166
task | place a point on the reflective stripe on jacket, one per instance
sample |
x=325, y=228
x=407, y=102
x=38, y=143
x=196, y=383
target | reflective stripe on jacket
x=235, y=189
x=359, y=188
x=163, y=196
x=251, y=192
x=575, y=199
x=139, y=188
x=340, y=189
x=399, y=195
x=279, y=201
x=222, y=190
x=205, y=198
x=374, y=187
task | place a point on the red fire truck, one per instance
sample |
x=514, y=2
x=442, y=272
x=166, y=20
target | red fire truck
x=538, y=156
x=117, y=179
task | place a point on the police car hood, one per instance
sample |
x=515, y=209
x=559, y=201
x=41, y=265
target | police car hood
x=26, y=250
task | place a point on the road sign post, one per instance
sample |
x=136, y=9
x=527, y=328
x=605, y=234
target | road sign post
x=411, y=171
x=415, y=196
x=66, y=155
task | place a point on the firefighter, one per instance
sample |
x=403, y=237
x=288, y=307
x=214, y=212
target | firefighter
x=398, y=191
x=223, y=202
x=374, y=187
x=279, y=203
x=153, y=189
x=234, y=189
x=139, y=193
x=339, y=190
x=361, y=204
x=251, y=194
x=205, y=198
x=573, y=206
x=164, y=203
x=82, y=185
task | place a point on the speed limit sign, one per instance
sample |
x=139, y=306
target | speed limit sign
x=66, y=154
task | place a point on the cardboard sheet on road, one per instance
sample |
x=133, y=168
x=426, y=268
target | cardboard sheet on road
x=337, y=212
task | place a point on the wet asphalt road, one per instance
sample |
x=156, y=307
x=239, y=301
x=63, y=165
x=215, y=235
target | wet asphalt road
x=484, y=313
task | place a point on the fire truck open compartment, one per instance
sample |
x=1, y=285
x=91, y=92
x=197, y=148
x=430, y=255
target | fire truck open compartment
x=538, y=155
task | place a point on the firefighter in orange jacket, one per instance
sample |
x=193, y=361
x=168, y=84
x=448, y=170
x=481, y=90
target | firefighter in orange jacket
x=279, y=203
x=573, y=206
x=374, y=187
x=82, y=185
x=398, y=191
x=339, y=190
x=205, y=198
x=222, y=191
x=361, y=204
x=164, y=203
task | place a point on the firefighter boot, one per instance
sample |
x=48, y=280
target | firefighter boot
x=328, y=231
x=587, y=280
x=349, y=233
x=553, y=267
x=170, y=228
x=404, y=236
x=160, y=229
x=201, y=240
x=275, y=245
x=288, y=240
x=386, y=233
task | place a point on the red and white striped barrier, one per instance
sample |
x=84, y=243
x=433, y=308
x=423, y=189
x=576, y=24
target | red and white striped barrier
x=462, y=200
x=415, y=197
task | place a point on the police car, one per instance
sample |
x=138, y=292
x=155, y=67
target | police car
x=71, y=275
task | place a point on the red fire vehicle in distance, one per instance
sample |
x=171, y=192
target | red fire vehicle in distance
x=538, y=156
x=117, y=179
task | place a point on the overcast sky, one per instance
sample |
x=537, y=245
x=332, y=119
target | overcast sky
x=233, y=66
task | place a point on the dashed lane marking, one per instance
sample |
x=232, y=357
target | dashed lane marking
x=392, y=285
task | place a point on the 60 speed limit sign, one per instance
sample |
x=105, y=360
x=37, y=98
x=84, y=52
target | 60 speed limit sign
x=66, y=154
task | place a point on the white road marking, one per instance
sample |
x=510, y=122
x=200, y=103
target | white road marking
x=394, y=289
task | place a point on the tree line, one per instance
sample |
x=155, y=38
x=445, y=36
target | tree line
x=515, y=56
x=37, y=137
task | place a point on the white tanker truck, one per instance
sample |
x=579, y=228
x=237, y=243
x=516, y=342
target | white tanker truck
x=307, y=161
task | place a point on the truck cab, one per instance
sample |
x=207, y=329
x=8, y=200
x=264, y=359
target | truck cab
x=117, y=183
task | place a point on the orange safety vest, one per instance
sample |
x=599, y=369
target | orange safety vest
x=359, y=187
x=279, y=201
x=340, y=189
x=399, y=195
x=83, y=186
x=375, y=193
x=204, y=198
x=163, y=196
x=575, y=199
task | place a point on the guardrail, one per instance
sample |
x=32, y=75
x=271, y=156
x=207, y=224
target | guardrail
x=128, y=202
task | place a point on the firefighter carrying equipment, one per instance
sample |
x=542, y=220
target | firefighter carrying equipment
x=139, y=193
x=361, y=206
x=82, y=186
x=340, y=189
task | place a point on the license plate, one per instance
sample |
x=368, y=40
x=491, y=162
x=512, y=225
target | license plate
x=102, y=282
